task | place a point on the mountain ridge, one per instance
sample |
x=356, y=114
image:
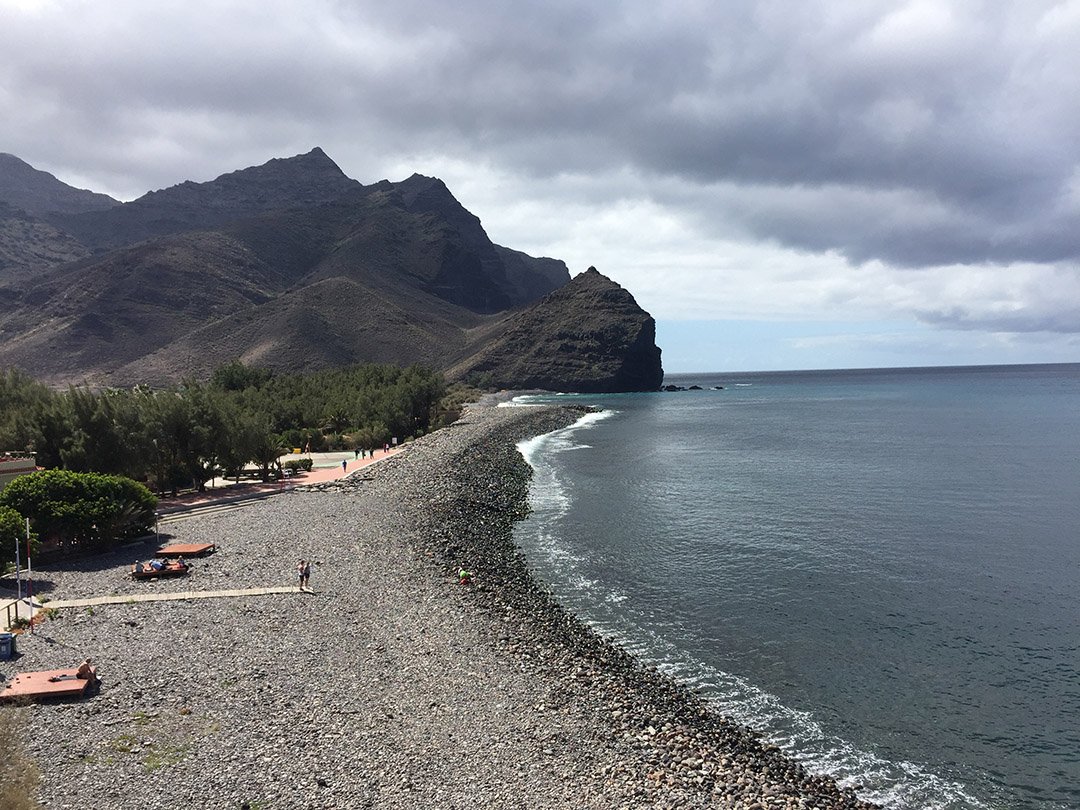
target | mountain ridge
x=293, y=264
x=37, y=192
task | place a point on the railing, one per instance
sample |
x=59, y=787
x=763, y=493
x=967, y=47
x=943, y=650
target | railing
x=12, y=610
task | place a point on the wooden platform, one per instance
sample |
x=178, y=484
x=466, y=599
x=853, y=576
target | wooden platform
x=187, y=550
x=174, y=568
x=52, y=683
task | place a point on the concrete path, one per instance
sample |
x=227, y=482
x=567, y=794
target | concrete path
x=168, y=597
x=327, y=468
x=23, y=609
x=13, y=610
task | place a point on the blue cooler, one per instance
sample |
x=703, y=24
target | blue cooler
x=7, y=646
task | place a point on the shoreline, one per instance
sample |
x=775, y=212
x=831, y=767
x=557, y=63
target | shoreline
x=391, y=686
x=686, y=750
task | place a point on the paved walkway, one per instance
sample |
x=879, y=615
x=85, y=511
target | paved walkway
x=168, y=597
x=12, y=610
x=327, y=468
x=22, y=609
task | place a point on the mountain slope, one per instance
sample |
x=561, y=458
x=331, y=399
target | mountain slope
x=29, y=246
x=37, y=192
x=95, y=316
x=292, y=265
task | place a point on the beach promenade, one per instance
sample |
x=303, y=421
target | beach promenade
x=326, y=467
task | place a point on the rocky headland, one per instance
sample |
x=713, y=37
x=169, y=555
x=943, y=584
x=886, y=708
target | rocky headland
x=392, y=686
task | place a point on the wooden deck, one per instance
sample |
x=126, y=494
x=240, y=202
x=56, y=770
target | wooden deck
x=52, y=683
x=169, y=569
x=187, y=550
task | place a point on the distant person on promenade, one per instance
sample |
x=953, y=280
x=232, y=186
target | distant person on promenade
x=344, y=465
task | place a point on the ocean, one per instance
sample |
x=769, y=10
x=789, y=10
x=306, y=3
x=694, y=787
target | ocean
x=879, y=570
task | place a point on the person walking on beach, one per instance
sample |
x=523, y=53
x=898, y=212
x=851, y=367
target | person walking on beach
x=302, y=573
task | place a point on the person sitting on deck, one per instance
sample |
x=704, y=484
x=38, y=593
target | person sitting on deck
x=138, y=567
x=85, y=671
x=157, y=565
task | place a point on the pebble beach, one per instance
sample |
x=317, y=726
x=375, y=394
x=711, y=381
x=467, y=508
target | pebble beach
x=391, y=685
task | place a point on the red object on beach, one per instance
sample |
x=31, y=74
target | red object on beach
x=187, y=550
x=52, y=683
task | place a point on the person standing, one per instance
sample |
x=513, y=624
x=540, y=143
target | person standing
x=301, y=568
x=307, y=574
x=344, y=465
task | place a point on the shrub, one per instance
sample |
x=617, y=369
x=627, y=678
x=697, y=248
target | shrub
x=297, y=464
x=12, y=531
x=85, y=510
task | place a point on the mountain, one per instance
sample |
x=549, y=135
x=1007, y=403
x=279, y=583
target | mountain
x=589, y=336
x=37, y=192
x=28, y=242
x=301, y=181
x=29, y=245
x=293, y=265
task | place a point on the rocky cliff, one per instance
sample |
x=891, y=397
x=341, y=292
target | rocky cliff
x=588, y=336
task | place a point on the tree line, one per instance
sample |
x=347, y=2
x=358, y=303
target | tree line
x=190, y=433
x=95, y=444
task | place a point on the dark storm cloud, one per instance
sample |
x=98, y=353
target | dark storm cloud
x=921, y=133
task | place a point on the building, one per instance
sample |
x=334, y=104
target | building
x=11, y=467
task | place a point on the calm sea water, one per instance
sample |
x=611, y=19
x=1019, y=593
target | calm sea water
x=879, y=570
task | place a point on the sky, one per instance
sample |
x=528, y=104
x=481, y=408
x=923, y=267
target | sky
x=782, y=185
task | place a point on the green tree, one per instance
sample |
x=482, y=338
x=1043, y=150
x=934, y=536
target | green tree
x=12, y=532
x=235, y=376
x=20, y=397
x=86, y=511
x=51, y=431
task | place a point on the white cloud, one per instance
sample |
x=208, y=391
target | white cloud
x=747, y=159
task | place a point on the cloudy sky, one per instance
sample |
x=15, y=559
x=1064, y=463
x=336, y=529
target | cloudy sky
x=812, y=184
